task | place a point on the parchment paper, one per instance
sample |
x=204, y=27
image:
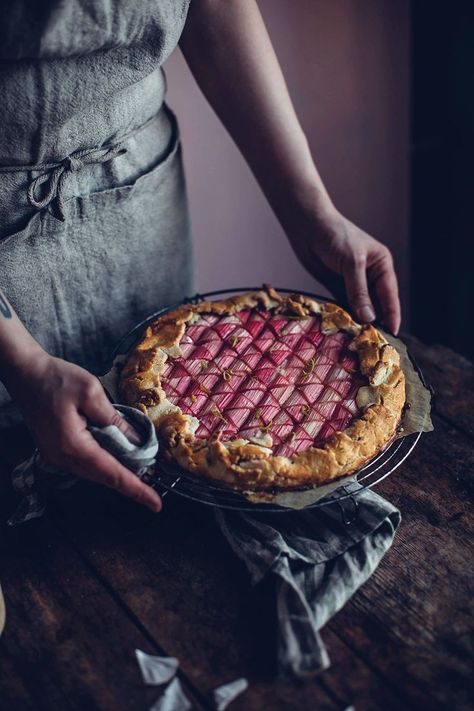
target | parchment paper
x=416, y=418
x=110, y=380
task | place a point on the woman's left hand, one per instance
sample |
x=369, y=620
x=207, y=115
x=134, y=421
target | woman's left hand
x=354, y=266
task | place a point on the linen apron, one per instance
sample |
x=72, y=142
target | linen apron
x=94, y=225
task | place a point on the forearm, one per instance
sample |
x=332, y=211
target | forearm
x=17, y=346
x=230, y=54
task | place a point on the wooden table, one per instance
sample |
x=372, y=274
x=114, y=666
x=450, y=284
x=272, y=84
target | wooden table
x=98, y=577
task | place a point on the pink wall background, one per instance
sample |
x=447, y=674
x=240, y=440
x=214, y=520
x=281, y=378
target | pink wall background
x=347, y=67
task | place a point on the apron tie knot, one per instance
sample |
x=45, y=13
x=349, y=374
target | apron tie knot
x=72, y=163
x=57, y=174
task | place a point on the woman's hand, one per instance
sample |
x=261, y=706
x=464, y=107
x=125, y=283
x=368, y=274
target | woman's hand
x=58, y=400
x=353, y=265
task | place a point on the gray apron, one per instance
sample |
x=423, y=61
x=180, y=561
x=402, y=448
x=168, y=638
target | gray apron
x=94, y=225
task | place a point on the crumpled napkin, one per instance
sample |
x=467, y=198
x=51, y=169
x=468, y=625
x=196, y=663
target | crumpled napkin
x=159, y=670
x=31, y=477
x=317, y=561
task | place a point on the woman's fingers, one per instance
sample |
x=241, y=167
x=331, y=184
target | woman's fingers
x=382, y=275
x=355, y=278
x=100, y=412
x=90, y=461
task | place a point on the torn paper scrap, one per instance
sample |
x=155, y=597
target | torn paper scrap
x=156, y=670
x=225, y=694
x=173, y=699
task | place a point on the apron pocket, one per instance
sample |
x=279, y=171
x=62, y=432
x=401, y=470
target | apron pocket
x=150, y=153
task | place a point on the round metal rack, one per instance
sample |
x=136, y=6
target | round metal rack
x=169, y=477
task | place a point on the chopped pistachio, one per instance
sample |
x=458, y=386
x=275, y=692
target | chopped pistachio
x=267, y=427
x=217, y=413
x=310, y=366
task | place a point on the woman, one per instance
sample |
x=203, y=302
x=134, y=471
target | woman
x=94, y=224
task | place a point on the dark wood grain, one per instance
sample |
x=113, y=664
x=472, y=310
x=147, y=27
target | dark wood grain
x=67, y=644
x=176, y=572
x=411, y=620
x=99, y=576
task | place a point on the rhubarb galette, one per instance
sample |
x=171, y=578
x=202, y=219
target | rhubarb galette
x=266, y=391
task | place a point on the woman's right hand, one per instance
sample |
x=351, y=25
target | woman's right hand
x=58, y=400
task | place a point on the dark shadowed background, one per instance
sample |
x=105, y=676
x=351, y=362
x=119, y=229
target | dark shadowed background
x=382, y=91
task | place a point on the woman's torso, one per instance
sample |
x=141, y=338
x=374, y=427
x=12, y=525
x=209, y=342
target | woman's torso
x=80, y=75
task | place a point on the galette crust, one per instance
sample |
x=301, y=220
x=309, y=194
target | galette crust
x=251, y=466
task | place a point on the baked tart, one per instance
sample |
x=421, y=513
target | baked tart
x=266, y=391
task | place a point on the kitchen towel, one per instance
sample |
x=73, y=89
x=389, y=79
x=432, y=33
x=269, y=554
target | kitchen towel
x=318, y=558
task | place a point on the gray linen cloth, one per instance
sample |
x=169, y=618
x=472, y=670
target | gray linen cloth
x=318, y=560
x=316, y=557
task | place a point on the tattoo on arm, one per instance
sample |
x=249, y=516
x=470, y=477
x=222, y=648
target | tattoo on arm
x=5, y=309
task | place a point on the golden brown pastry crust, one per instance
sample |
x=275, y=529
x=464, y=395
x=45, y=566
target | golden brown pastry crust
x=246, y=465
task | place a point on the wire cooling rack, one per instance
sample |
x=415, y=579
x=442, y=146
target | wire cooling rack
x=170, y=477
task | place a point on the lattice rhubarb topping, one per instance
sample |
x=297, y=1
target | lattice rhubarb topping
x=256, y=373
